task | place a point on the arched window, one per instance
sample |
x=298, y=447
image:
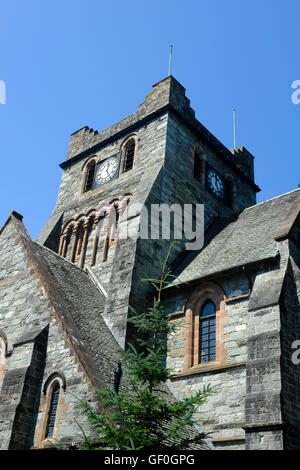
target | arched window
x=199, y=164
x=55, y=390
x=129, y=154
x=65, y=240
x=89, y=176
x=229, y=192
x=208, y=332
x=205, y=316
x=52, y=405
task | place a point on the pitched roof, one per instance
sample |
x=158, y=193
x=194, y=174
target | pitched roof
x=78, y=303
x=241, y=239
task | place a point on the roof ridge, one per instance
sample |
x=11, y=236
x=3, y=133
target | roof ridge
x=272, y=199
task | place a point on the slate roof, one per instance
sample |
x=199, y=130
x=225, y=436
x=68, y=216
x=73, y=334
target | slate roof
x=79, y=304
x=241, y=239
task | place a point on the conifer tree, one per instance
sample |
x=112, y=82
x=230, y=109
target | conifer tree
x=145, y=415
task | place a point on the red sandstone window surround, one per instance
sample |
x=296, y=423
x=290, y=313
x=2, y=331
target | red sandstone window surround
x=205, y=318
x=52, y=406
x=82, y=239
x=52, y=409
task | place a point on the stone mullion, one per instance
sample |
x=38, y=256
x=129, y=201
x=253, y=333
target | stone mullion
x=61, y=244
x=62, y=248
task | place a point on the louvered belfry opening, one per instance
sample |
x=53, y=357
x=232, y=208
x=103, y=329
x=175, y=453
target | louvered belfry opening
x=89, y=177
x=129, y=155
x=52, y=410
x=229, y=193
x=198, y=167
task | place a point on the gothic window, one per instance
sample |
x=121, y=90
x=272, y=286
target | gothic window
x=89, y=175
x=205, y=315
x=229, y=192
x=52, y=409
x=208, y=332
x=53, y=404
x=199, y=167
x=83, y=239
x=129, y=154
x=65, y=247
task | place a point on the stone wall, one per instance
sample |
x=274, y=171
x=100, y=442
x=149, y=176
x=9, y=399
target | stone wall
x=162, y=173
x=223, y=414
x=37, y=348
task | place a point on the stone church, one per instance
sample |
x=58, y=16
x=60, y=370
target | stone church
x=65, y=297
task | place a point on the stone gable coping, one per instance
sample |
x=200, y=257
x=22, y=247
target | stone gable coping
x=289, y=222
x=13, y=215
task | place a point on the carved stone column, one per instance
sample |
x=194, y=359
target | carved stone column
x=74, y=231
x=96, y=241
x=86, y=228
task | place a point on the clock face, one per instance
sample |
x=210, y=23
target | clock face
x=216, y=184
x=106, y=171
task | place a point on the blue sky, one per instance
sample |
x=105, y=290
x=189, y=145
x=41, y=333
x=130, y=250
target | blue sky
x=71, y=63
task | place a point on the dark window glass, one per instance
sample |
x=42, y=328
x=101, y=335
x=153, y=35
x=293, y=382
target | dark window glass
x=208, y=332
x=129, y=155
x=198, y=168
x=229, y=193
x=52, y=410
x=89, y=177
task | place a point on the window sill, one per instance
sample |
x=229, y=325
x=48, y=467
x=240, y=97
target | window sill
x=203, y=368
x=48, y=443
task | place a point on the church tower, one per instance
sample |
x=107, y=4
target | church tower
x=235, y=300
x=161, y=154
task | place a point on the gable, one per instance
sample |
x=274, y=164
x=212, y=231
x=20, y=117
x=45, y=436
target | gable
x=244, y=238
